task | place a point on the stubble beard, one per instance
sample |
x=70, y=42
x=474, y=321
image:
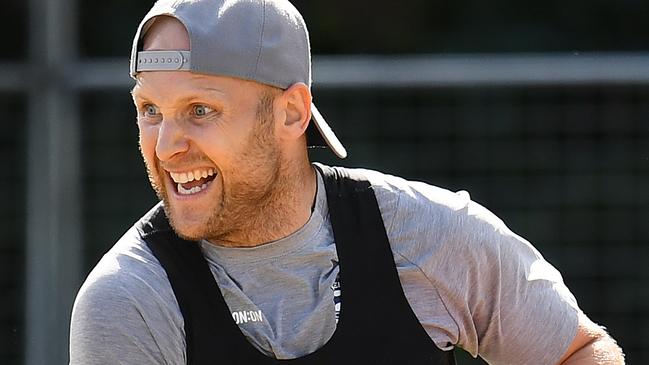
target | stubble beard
x=253, y=202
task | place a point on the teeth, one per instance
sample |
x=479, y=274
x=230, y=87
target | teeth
x=184, y=177
x=194, y=190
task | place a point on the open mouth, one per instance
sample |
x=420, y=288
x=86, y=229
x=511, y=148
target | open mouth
x=193, y=182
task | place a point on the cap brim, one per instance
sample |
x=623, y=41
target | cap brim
x=326, y=133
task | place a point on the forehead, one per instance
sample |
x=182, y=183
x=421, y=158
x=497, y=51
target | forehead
x=168, y=82
x=174, y=87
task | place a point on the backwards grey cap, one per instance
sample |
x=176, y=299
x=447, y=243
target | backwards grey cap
x=260, y=40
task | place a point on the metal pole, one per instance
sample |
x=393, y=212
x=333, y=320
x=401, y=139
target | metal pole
x=53, y=183
x=407, y=71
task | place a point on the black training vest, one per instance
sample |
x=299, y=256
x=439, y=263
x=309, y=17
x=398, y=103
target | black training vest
x=376, y=324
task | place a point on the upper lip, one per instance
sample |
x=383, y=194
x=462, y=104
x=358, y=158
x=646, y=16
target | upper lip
x=191, y=175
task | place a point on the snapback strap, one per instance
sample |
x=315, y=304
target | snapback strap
x=162, y=61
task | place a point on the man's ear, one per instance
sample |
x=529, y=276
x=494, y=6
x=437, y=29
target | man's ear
x=295, y=104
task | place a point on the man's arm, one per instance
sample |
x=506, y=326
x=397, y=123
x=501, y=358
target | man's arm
x=592, y=346
x=126, y=312
x=504, y=302
x=112, y=325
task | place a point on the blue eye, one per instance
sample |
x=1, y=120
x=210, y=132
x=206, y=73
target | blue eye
x=150, y=110
x=202, y=110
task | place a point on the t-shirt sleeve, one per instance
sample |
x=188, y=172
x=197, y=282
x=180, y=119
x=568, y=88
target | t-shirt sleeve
x=503, y=300
x=124, y=314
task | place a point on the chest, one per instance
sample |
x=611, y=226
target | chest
x=376, y=323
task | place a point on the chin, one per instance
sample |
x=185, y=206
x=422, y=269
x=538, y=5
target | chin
x=187, y=231
x=185, y=227
x=188, y=235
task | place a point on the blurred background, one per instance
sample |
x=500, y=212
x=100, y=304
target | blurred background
x=538, y=108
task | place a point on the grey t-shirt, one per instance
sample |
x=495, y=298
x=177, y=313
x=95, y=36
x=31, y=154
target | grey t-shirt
x=471, y=282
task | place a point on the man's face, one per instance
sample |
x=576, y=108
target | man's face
x=209, y=148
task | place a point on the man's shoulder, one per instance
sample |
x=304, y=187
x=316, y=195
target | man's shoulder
x=128, y=268
x=421, y=218
x=395, y=193
x=126, y=302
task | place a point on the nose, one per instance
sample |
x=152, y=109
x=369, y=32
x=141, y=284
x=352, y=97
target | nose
x=172, y=140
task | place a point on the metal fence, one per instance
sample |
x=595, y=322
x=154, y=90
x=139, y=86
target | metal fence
x=557, y=145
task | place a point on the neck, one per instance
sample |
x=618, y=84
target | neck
x=286, y=210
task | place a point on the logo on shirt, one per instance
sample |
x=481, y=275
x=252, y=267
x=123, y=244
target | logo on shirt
x=247, y=316
x=336, y=289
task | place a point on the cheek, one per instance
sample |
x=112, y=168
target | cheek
x=148, y=138
x=220, y=142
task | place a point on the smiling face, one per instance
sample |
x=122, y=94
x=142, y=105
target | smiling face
x=209, y=145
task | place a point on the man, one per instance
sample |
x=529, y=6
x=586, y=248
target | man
x=257, y=255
